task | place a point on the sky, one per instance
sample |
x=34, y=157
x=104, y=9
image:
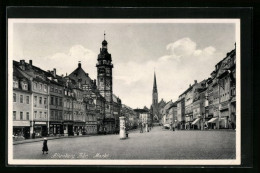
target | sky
x=178, y=53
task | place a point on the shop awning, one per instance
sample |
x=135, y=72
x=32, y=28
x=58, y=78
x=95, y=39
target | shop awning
x=196, y=121
x=213, y=120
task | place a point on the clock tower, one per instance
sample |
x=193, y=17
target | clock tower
x=104, y=79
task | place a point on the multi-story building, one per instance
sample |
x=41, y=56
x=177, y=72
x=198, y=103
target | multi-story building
x=181, y=112
x=40, y=98
x=68, y=120
x=144, y=117
x=199, y=106
x=188, y=107
x=117, y=106
x=79, y=108
x=56, y=103
x=225, y=80
x=22, y=106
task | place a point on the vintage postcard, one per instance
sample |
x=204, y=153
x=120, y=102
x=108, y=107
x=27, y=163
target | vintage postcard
x=124, y=92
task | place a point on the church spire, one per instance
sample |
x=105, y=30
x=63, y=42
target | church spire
x=154, y=83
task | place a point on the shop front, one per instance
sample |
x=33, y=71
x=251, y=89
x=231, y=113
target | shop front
x=21, y=130
x=56, y=129
x=78, y=128
x=224, y=116
x=196, y=124
x=213, y=123
x=40, y=129
x=68, y=128
x=189, y=120
x=91, y=128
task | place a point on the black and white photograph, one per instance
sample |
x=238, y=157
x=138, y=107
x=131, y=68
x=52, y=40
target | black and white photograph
x=124, y=91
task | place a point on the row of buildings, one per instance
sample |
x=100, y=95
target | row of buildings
x=46, y=104
x=209, y=104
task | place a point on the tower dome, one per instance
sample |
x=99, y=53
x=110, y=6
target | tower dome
x=104, y=43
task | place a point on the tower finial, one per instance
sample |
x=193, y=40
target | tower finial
x=104, y=35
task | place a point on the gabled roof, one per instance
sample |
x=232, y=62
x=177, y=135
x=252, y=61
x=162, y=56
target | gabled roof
x=79, y=73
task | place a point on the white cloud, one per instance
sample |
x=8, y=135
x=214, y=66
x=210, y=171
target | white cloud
x=67, y=62
x=182, y=47
x=133, y=81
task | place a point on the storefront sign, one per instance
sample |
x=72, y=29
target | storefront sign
x=40, y=123
x=21, y=123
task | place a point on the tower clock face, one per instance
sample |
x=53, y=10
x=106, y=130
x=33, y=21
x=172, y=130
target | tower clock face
x=101, y=70
x=108, y=70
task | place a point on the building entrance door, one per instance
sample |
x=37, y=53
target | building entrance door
x=70, y=130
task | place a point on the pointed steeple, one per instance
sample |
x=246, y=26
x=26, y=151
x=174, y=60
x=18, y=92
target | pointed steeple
x=154, y=84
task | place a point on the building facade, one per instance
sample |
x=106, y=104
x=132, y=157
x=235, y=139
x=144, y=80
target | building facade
x=56, y=104
x=22, y=106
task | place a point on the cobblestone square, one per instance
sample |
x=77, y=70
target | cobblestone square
x=156, y=144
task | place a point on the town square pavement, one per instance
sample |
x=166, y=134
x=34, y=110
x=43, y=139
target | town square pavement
x=156, y=144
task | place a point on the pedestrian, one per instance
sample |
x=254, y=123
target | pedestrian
x=45, y=146
x=141, y=128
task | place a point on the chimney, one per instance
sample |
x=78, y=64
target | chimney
x=94, y=82
x=79, y=64
x=87, y=74
x=190, y=85
x=30, y=62
x=54, y=72
x=22, y=62
x=195, y=81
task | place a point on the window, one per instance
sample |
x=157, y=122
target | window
x=56, y=115
x=40, y=86
x=52, y=101
x=34, y=85
x=45, y=101
x=52, y=89
x=35, y=101
x=56, y=101
x=45, y=88
x=60, y=101
x=60, y=115
x=45, y=115
x=35, y=114
x=65, y=92
x=40, y=114
x=40, y=100
x=52, y=114
x=21, y=115
x=27, y=116
x=15, y=84
x=14, y=115
x=21, y=98
x=27, y=100
x=60, y=91
x=25, y=86
x=14, y=97
x=56, y=90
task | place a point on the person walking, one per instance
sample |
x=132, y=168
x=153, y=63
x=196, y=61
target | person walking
x=141, y=128
x=45, y=146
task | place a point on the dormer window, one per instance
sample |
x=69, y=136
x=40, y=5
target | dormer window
x=40, y=86
x=24, y=86
x=15, y=84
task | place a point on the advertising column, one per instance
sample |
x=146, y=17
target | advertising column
x=122, y=128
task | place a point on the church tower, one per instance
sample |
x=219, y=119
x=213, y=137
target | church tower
x=104, y=79
x=155, y=100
